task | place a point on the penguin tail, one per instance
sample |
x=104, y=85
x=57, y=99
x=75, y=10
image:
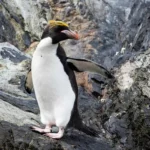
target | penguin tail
x=76, y=123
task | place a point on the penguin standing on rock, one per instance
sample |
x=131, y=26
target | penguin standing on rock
x=54, y=81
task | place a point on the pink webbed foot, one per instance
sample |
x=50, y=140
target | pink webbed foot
x=56, y=135
x=40, y=130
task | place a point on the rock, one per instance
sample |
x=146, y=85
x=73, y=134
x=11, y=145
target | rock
x=31, y=48
x=23, y=21
x=121, y=36
x=120, y=24
x=128, y=116
x=14, y=65
x=14, y=115
x=113, y=33
x=22, y=138
x=63, y=1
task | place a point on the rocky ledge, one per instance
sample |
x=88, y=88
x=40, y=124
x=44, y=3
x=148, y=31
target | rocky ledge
x=113, y=33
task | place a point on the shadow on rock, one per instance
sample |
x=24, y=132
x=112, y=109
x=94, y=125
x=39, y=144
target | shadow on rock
x=21, y=137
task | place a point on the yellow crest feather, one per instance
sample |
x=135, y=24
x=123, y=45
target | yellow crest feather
x=53, y=23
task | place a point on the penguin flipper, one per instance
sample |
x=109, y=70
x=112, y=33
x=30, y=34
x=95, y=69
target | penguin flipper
x=28, y=82
x=81, y=65
x=76, y=123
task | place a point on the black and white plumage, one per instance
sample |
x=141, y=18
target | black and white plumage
x=54, y=81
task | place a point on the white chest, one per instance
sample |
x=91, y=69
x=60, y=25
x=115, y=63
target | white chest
x=51, y=83
x=48, y=71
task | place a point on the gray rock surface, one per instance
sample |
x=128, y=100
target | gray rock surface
x=23, y=21
x=122, y=29
x=114, y=33
x=122, y=43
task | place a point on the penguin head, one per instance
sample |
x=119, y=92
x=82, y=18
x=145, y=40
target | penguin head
x=59, y=31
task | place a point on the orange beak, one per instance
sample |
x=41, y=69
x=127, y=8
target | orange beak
x=71, y=34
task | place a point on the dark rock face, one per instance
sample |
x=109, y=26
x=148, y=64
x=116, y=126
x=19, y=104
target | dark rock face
x=15, y=137
x=6, y=29
x=122, y=29
x=122, y=35
x=12, y=54
x=22, y=22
